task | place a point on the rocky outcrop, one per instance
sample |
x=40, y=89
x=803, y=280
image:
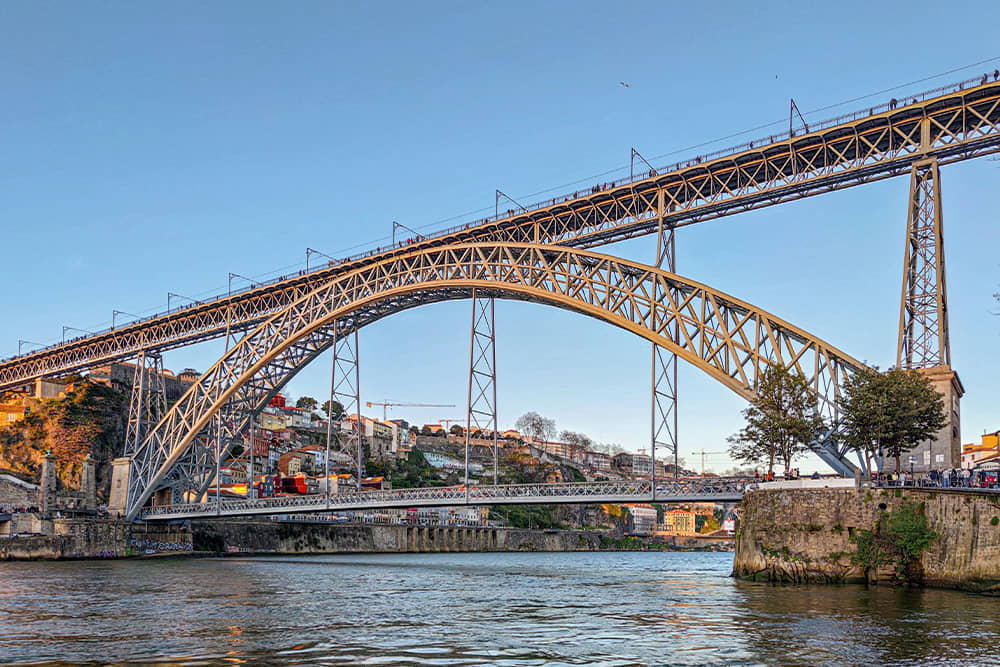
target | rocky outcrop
x=810, y=535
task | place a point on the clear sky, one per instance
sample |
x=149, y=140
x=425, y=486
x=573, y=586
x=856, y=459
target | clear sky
x=148, y=148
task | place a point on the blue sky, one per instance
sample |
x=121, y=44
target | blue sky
x=149, y=148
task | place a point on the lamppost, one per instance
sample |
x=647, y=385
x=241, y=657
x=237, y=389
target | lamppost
x=313, y=251
x=236, y=275
x=65, y=329
x=116, y=313
x=22, y=343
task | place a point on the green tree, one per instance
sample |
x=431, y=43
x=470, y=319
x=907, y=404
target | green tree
x=338, y=410
x=307, y=403
x=889, y=412
x=781, y=420
x=456, y=429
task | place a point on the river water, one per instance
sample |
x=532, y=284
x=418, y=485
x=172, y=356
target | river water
x=473, y=609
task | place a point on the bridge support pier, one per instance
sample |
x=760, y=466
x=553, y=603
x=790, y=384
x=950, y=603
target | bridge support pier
x=664, y=396
x=347, y=386
x=482, y=404
x=924, y=344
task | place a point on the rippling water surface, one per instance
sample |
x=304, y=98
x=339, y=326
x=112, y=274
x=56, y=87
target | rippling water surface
x=473, y=609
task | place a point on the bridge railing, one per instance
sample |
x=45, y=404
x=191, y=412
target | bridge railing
x=639, y=490
x=904, y=100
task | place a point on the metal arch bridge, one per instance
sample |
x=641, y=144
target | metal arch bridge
x=629, y=491
x=529, y=255
x=946, y=125
x=729, y=339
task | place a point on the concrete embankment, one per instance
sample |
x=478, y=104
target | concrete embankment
x=79, y=538
x=809, y=535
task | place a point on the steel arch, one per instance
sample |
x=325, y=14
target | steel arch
x=729, y=339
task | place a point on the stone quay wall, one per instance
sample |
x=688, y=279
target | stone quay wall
x=302, y=538
x=805, y=535
x=94, y=538
x=98, y=538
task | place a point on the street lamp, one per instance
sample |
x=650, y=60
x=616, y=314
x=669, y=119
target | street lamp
x=236, y=275
x=65, y=329
x=116, y=313
x=22, y=343
x=313, y=251
x=174, y=295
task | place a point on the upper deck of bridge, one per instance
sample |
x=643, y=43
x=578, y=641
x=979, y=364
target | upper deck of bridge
x=951, y=123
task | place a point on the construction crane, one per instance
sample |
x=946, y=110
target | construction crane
x=449, y=422
x=393, y=404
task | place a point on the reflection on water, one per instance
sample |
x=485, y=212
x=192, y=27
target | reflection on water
x=473, y=609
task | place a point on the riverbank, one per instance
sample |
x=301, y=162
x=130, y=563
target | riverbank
x=812, y=536
x=96, y=539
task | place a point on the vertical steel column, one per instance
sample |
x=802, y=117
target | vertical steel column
x=252, y=488
x=329, y=423
x=148, y=402
x=218, y=430
x=664, y=366
x=923, y=310
x=347, y=382
x=482, y=403
x=147, y=406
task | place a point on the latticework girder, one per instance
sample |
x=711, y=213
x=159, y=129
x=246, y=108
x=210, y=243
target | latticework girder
x=729, y=339
x=481, y=414
x=664, y=432
x=347, y=390
x=923, y=310
x=863, y=147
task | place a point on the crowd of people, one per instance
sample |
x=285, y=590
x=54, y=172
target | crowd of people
x=951, y=477
x=11, y=509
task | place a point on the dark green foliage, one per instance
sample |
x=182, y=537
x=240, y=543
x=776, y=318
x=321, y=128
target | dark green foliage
x=892, y=411
x=337, y=412
x=526, y=516
x=307, y=403
x=780, y=422
x=899, y=538
x=414, y=472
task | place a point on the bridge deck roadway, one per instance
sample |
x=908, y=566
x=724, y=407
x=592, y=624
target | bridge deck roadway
x=957, y=123
x=708, y=490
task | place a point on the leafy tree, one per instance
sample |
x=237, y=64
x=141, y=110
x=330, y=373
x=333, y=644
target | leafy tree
x=898, y=539
x=781, y=420
x=307, y=403
x=456, y=429
x=889, y=411
x=426, y=430
x=535, y=425
x=338, y=410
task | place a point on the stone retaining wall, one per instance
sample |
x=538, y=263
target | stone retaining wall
x=805, y=535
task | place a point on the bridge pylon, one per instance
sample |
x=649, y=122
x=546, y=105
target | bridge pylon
x=482, y=404
x=924, y=344
x=664, y=364
x=347, y=386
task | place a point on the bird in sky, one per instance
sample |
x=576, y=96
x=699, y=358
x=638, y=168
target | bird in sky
x=622, y=83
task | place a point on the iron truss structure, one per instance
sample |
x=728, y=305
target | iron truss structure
x=729, y=339
x=710, y=489
x=946, y=125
